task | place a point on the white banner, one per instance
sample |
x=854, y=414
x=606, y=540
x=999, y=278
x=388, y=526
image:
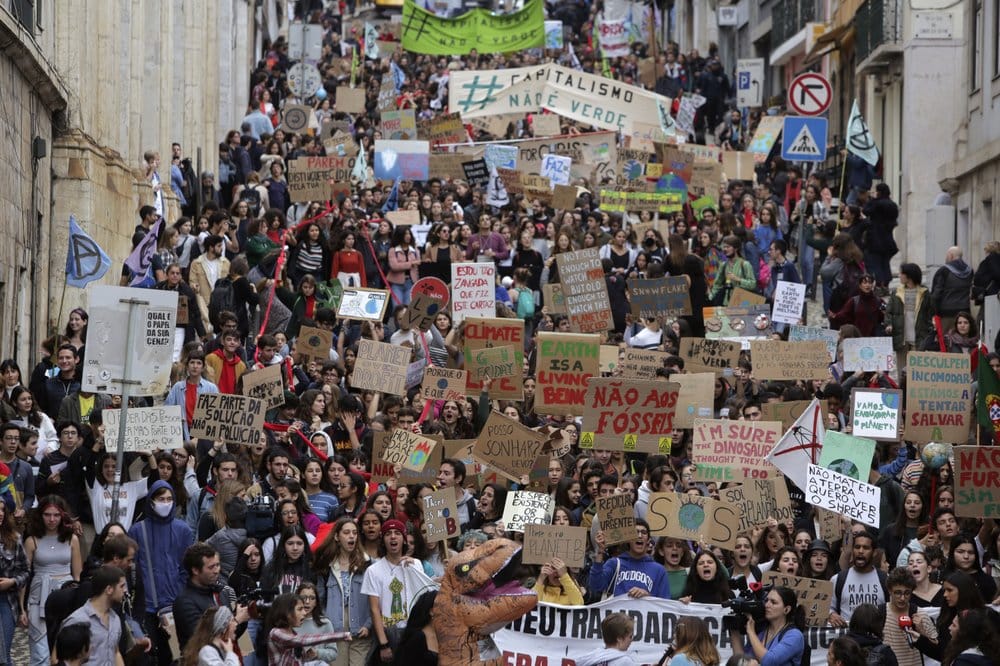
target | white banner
x=613, y=36
x=558, y=635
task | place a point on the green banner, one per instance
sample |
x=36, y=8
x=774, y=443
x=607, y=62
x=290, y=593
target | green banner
x=424, y=32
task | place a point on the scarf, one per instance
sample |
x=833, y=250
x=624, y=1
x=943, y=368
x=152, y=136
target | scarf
x=227, y=378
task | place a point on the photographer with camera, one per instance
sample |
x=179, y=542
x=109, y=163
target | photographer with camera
x=781, y=641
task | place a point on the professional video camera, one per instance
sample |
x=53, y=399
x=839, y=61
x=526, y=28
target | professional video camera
x=258, y=600
x=749, y=601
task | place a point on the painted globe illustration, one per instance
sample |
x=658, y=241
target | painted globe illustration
x=936, y=454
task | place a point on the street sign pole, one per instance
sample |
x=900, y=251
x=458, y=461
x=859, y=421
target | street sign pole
x=127, y=382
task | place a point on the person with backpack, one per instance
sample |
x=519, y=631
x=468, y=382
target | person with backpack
x=864, y=310
x=522, y=295
x=840, y=272
x=188, y=315
x=862, y=582
x=866, y=629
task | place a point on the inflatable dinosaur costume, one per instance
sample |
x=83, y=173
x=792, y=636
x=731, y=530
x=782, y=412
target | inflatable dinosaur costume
x=478, y=595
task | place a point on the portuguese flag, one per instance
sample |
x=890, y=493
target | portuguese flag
x=988, y=397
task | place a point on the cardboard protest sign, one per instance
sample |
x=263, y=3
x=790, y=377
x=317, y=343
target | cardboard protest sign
x=444, y=383
x=738, y=165
x=775, y=359
x=552, y=295
x=473, y=290
x=496, y=362
x=542, y=543
x=585, y=291
x=616, y=516
x=787, y=412
x=734, y=322
x=508, y=447
x=741, y=298
x=564, y=362
x=564, y=197
x=665, y=297
x=633, y=415
x=705, y=179
x=482, y=333
x=831, y=528
x=847, y=455
x=545, y=124
x=350, y=100
x=525, y=507
x=789, y=302
x=265, y=384
x=695, y=398
x=869, y=354
x=759, y=500
x=641, y=363
x=408, y=449
x=556, y=168
x=827, y=335
x=725, y=450
x=693, y=518
x=400, y=124
x=876, y=413
x=381, y=367
x=314, y=344
x=307, y=184
x=814, y=595
x=147, y=429
x=938, y=397
x=977, y=476
x=383, y=470
x=608, y=358
x=720, y=357
x=440, y=515
x=447, y=128
x=855, y=499
x=360, y=303
x=231, y=418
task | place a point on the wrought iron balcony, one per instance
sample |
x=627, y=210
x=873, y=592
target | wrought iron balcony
x=790, y=16
x=878, y=23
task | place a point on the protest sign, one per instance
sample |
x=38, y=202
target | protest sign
x=814, y=595
x=542, y=543
x=608, y=358
x=733, y=322
x=545, y=124
x=473, y=290
x=314, y=344
x=725, y=450
x=447, y=128
x=508, y=447
x=938, y=397
x=147, y=429
x=383, y=469
x=977, y=476
x=359, y=303
x=616, y=516
x=380, y=366
x=265, y=384
x=693, y=518
x=563, y=197
x=552, y=296
x=869, y=354
x=695, y=399
x=350, y=100
x=855, y=499
x=616, y=201
x=232, y=418
x=440, y=515
x=705, y=180
x=407, y=449
x=449, y=165
x=476, y=172
x=415, y=373
x=496, y=362
x=787, y=412
x=847, y=454
x=876, y=413
x=482, y=333
x=525, y=507
x=407, y=160
x=703, y=355
x=737, y=165
x=775, y=359
x=556, y=168
x=827, y=335
x=585, y=291
x=633, y=415
x=800, y=445
x=309, y=180
x=759, y=500
x=831, y=527
x=444, y=383
x=789, y=300
x=400, y=124
x=666, y=297
x=564, y=362
x=767, y=133
x=741, y=298
x=641, y=363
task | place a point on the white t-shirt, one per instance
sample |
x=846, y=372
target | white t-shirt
x=859, y=589
x=397, y=587
x=100, y=502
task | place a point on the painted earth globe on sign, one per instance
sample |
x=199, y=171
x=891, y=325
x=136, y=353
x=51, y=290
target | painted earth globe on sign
x=936, y=454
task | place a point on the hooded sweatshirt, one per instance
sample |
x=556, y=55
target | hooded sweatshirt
x=607, y=657
x=951, y=288
x=642, y=572
x=162, y=541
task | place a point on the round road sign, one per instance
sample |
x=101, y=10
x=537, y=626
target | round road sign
x=810, y=94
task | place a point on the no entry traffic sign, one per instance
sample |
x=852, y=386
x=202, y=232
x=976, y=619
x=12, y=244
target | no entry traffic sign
x=810, y=94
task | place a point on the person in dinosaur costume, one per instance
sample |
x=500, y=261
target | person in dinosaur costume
x=478, y=595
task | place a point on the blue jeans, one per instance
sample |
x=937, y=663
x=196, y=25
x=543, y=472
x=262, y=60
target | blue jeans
x=807, y=263
x=253, y=628
x=402, y=292
x=7, y=621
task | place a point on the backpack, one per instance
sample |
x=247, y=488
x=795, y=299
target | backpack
x=878, y=655
x=847, y=285
x=525, y=303
x=842, y=580
x=763, y=275
x=223, y=298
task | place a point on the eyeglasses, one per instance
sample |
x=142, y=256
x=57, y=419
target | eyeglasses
x=902, y=593
x=11, y=438
x=307, y=597
x=290, y=513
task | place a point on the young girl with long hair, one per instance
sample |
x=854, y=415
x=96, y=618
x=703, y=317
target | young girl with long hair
x=315, y=622
x=693, y=645
x=340, y=563
x=289, y=567
x=212, y=643
x=284, y=645
x=13, y=567
x=29, y=417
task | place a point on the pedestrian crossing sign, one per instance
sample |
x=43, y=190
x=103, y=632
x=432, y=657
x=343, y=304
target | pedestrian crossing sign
x=803, y=139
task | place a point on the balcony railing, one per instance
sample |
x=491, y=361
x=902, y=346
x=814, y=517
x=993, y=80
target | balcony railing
x=877, y=23
x=790, y=16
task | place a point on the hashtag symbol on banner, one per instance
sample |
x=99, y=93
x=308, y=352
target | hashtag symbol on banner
x=475, y=98
x=409, y=28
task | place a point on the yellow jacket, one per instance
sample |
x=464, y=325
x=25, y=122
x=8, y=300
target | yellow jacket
x=566, y=593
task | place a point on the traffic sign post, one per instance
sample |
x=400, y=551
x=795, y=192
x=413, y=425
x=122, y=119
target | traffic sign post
x=749, y=82
x=804, y=139
x=810, y=94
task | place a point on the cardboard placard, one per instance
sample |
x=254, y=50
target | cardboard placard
x=977, y=476
x=876, y=413
x=407, y=218
x=350, y=100
x=440, y=515
x=481, y=333
x=725, y=450
x=265, y=384
x=616, y=516
x=400, y=124
x=473, y=290
x=758, y=501
x=314, y=344
x=704, y=355
x=525, y=507
x=695, y=399
x=787, y=412
x=633, y=415
x=738, y=165
x=563, y=364
x=706, y=178
x=545, y=124
x=542, y=543
x=776, y=359
x=234, y=419
x=183, y=311
x=148, y=428
x=444, y=383
x=827, y=335
x=360, y=303
x=855, y=499
x=831, y=527
x=408, y=449
x=938, y=397
x=693, y=518
x=847, y=454
x=814, y=595
x=666, y=297
x=496, y=362
x=446, y=128
x=641, y=363
x=564, y=197
x=789, y=302
x=382, y=471
x=552, y=295
x=381, y=367
x=609, y=358
x=307, y=183
x=869, y=354
x=585, y=291
x=508, y=447
x=741, y=298
x=415, y=373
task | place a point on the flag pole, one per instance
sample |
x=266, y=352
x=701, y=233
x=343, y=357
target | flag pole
x=62, y=303
x=841, y=192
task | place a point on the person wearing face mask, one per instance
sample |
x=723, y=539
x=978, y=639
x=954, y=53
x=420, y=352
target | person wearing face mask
x=163, y=540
